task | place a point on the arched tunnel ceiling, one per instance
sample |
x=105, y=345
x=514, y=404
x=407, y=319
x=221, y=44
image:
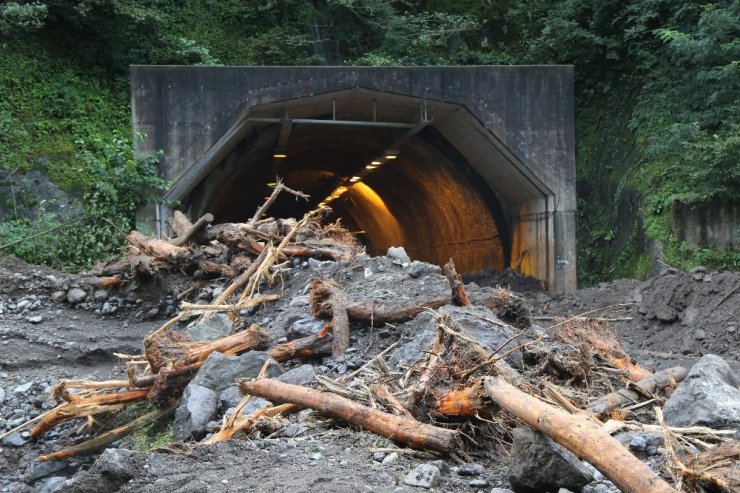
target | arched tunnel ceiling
x=430, y=199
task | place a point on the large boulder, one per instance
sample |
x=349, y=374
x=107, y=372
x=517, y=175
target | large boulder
x=216, y=326
x=221, y=371
x=197, y=408
x=538, y=465
x=477, y=322
x=709, y=396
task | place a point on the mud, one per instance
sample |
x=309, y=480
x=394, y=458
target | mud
x=673, y=319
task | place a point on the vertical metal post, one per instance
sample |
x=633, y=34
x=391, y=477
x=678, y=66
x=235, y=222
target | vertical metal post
x=334, y=108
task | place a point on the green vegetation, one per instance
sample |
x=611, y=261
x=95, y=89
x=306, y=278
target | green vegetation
x=657, y=85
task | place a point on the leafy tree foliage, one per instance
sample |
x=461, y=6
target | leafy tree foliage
x=657, y=85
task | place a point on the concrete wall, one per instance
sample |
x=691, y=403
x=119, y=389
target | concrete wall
x=527, y=111
x=716, y=224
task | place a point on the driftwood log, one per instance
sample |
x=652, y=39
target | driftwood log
x=313, y=346
x=397, y=428
x=650, y=384
x=581, y=436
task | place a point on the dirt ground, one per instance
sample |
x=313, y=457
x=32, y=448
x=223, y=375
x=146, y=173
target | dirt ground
x=671, y=319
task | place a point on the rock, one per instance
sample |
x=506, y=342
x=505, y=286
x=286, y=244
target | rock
x=469, y=470
x=423, y=476
x=378, y=456
x=23, y=388
x=390, y=459
x=442, y=465
x=418, y=269
x=419, y=334
x=700, y=335
x=665, y=313
x=50, y=485
x=478, y=483
x=13, y=440
x=304, y=327
x=38, y=470
x=564, y=490
x=35, y=319
x=539, y=464
x=302, y=375
x=220, y=371
x=198, y=407
x=214, y=327
x=294, y=429
x=641, y=442
x=100, y=295
x=2, y=395
x=58, y=296
x=254, y=405
x=399, y=255
x=709, y=396
x=501, y=490
x=230, y=397
x=116, y=465
x=76, y=295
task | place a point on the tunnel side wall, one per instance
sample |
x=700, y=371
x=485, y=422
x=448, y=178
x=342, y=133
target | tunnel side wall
x=184, y=110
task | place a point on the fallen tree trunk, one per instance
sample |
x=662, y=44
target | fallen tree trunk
x=397, y=428
x=467, y=402
x=581, y=436
x=102, y=441
x=313, y=346
x=335, y=304
x=185, y=236
x=87, y=406
x=174, y=371
x=659, y=380
x=367, y=312
x=158, y=249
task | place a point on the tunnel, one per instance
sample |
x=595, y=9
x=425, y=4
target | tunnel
x=395, y=167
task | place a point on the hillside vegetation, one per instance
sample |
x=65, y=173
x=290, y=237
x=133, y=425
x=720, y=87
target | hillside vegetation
x=657, y=86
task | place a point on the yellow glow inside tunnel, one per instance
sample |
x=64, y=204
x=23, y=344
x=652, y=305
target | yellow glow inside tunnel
x=372, y=214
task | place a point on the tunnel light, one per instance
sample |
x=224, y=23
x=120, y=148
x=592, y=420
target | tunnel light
x=392, y=153
x=279, y=153
x=272, y=184
x=354, y=179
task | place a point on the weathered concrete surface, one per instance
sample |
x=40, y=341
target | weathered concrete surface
x=491, y=180
x=716, y=224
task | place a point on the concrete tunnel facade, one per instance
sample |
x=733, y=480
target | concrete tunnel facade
x=473, y=163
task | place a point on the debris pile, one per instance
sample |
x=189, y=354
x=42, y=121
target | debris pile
x=307, y=321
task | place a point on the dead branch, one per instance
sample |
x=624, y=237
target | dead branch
x=271, y=200
x=102, y=441
x=650, y=384
x=192, y=307
x=185, y=236
x=581, y=436
x=87, y=406
x=459, y=296
x=400, y=429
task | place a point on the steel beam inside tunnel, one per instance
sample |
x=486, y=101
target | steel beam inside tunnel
x=484, y=171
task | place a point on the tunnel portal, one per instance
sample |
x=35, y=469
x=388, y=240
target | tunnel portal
x=473, y=163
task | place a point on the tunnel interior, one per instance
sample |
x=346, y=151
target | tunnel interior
x=393, y=169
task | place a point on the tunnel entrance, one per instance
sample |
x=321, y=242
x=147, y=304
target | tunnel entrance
x=382, y=168
x=401, y=166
